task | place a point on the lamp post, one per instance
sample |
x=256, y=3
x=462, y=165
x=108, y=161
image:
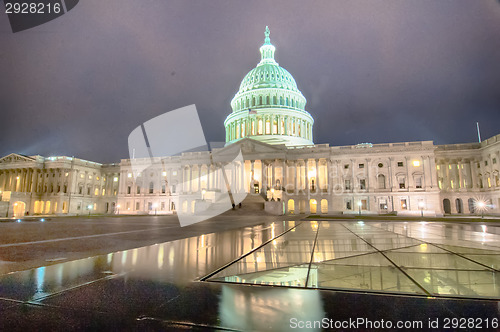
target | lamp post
x=421, y=206
x=155, y=206
x=272, y=194
x=359, y=207
x=481, y=206
x=89, y=207
x=203, y=192
x=118, y=209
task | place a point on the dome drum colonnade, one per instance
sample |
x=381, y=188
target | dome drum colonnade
x=268, y=106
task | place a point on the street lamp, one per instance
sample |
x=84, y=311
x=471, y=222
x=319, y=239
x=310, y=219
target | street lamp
x=481, y=206
x=272, y=194
x=203, y=192
x=421, y=206
x=89, y=207
x=118, y=209
x=359, y=207
x=155, y=205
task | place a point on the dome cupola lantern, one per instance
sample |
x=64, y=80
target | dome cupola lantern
x=268, y=106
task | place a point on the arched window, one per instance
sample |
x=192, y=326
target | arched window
x=313, y=205
x=324, y=206
x=381, y=181
x=291, y=206
x=446, y=206
x=151, y=187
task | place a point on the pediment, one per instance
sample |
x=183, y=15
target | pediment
x=249, y=145
x=15, y=158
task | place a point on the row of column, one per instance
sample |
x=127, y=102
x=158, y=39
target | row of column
x=252, y=126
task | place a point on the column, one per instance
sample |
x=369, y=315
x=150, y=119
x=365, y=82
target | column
x=264, y=176
x=368, y=189
x=307, y=188
x=391, y=176
x=273, y=173
x=473, y=175
x=318, y=183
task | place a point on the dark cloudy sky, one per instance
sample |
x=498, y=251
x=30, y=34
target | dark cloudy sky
x=372, y=71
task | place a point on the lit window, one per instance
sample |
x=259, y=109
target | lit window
x=437, y=167
x=90, y=177
x=97, y=178
x=164, y=173
x=115, y=179
x=402, y=184
x=129, y=175
x=403, y=205
x=416, y=163
x=81, y=175
x=103, y=191
x=66, y=174
x=418, y=182
x=449, y=166
x=96, y=191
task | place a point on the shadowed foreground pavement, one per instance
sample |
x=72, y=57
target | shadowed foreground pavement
x=253, y=274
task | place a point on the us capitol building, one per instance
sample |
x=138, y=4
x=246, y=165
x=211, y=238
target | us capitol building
x=271, y=127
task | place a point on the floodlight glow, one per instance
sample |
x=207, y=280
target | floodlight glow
x=42, y=220
x=18, y=220
x=416, y=163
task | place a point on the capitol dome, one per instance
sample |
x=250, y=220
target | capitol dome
x=268, y=106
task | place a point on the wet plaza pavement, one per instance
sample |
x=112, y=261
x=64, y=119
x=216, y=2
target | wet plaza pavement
x=269, y=277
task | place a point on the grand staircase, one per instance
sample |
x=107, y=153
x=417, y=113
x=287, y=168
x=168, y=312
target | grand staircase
x=252, y=204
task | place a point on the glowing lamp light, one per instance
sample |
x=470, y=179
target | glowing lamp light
x=42, y=220
x=359, y=203
x=481, y=205
x=17, y=178
x=18, y=220
x=89, y=207
x=421, y=205
x=416, y=163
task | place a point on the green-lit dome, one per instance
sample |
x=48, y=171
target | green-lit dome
x=268, y=106
x=268, y=75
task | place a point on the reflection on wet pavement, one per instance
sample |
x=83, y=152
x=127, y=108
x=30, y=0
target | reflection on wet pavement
x=408, y=258
x=157, y=287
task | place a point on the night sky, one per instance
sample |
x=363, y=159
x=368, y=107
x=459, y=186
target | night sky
x=371, y=71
